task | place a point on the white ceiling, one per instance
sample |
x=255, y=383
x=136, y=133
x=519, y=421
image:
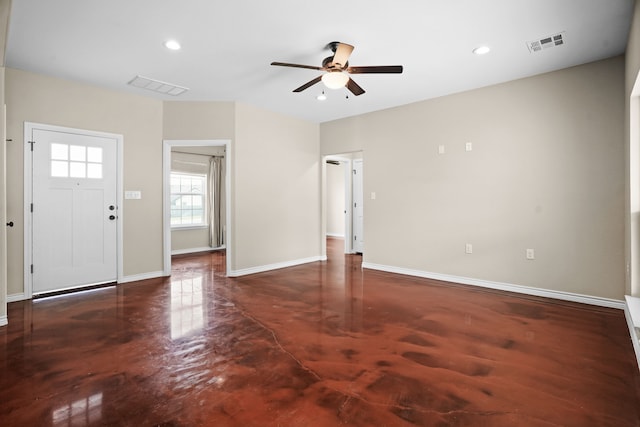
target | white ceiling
x=227, y=46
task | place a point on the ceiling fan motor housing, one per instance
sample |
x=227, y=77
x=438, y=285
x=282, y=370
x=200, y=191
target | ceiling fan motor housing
x=328, y=64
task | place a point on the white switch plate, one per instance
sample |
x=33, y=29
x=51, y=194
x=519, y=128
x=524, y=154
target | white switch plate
x=531, y=254
x=133, y=195
x=468, y=146
x=468, y=248
x=373, y=195
x=440, y=149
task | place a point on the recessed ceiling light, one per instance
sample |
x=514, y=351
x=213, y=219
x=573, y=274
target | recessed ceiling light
x=172, y=45
x=481, y=50
x=321, y=97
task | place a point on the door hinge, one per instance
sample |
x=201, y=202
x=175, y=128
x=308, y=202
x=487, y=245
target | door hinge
x=354, y=171
x=31, y=207
x=32, y=143
x=354, y=238
x=31, y=268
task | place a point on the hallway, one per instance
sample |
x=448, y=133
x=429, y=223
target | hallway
x=321, y=344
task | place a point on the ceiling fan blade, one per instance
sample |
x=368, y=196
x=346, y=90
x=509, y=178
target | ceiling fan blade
x=286, y=64
x=343, y=51
x=378, y=69
x=354, y=88
x=308, y=84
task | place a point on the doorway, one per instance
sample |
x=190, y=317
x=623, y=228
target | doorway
x=168, y=146
x=72, y=194
x=347, y=162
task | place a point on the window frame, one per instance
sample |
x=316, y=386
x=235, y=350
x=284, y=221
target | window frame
x=203, y=194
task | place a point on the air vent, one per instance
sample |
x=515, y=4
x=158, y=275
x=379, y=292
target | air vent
x=157, y=86
x=546, y=42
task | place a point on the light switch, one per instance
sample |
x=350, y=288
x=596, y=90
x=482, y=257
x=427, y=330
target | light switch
x=440, y=149
x=468, y=146
x=135, y=195
x=373, y=195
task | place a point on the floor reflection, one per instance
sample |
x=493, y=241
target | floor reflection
x=81, y=412
x=187, y=306
x=320, y=345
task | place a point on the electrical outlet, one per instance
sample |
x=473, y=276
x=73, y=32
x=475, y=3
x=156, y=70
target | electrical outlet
x=468, y=146
x=531, y=254
x=440, y=149
x=468, y=248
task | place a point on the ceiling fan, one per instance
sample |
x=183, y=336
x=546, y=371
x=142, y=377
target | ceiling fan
x=338, y=69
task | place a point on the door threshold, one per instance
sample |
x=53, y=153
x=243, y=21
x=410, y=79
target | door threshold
x=74, y=290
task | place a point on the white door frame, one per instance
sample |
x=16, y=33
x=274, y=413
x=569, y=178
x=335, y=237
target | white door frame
x=348, y=190
x=348, y=195
x=167, y=144
x=28, y=195
x=353, y=207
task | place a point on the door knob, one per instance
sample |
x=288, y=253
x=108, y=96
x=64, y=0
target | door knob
x=112, y=217
x=10, y=224
x=111, y=207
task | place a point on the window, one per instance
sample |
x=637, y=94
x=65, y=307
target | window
x=188, y=199
x=76, y=161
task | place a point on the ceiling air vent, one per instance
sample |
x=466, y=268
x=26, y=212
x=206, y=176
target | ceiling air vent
x=157, y=86
x=546, y=42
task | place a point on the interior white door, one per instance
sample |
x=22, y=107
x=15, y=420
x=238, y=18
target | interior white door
x=74, y=211
x=358, y=207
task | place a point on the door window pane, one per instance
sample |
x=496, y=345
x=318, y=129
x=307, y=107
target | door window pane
x=76, y=161
x=94, y=154
x=59, y=152
x=78, y=153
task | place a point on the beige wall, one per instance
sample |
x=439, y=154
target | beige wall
x=275, y=181
x=195, y=239
x=632, y=153
x=546, y=172
x=198, y=120
x=276, y=176
x=41, y=99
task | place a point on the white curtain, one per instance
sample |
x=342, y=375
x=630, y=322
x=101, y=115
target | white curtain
x=216, y=234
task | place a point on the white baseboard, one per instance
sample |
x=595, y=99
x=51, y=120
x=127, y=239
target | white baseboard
x=142, y=276
x=276, y=266
x=341, y=236
x=16, y=297
x=632, y=315
x=4, y=320
x=527, y=290
x=195, y=250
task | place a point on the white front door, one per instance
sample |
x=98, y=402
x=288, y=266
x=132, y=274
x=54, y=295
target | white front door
x=358, y=207
x=74, y=211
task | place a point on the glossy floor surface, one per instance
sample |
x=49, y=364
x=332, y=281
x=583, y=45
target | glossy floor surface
x=322, y=344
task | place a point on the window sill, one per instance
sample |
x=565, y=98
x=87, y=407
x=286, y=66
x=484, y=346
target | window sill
x=188, y=227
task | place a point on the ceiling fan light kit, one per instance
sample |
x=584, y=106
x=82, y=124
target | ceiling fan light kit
x=337, y=70
x=335, y=79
